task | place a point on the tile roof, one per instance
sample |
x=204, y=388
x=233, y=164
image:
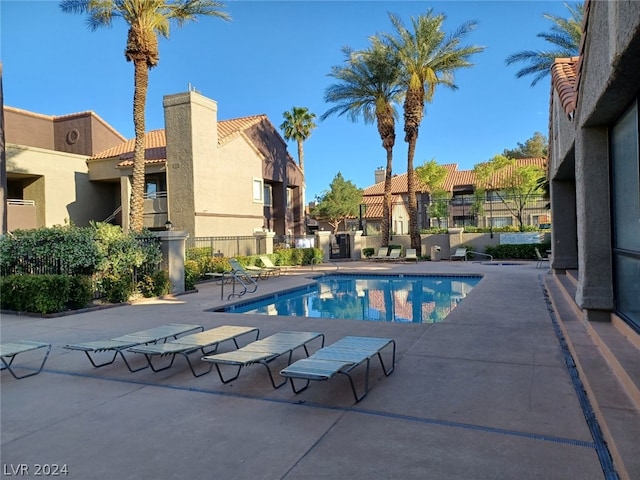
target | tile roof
x=156, y=141
x=564, y=74
x=454, y=178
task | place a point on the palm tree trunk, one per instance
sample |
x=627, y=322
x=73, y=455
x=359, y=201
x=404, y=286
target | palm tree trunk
x=414, y=233
x=385, y=226
x=300, y=156
x=141, y=83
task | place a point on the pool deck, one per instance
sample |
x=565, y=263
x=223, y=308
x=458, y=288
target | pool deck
x=485, y=394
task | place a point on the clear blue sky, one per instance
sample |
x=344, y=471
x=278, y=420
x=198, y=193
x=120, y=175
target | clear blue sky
x=277, y=54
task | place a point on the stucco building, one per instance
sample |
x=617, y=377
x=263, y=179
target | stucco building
x=207, y=177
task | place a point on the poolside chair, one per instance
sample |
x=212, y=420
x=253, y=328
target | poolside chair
x=206, y=342
x=9, y=352
x=540, y=259
x=341, y=357
x=382, y=254
x=394, y=255
x=268, y=264
x=411, y=254
x=119, y=344
x=264, y=352
x=460, y=254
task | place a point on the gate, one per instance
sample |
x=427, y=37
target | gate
x=340, y=246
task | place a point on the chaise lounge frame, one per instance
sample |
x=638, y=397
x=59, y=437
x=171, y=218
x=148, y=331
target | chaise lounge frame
x=264, y=352
x=9, y=352
x=119, y=344
x=207, y=342
x=342, y=358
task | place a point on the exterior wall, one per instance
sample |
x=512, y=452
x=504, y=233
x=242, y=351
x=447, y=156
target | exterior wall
x=29, y=129
x=228, y=208
x=608, y=82
x=58, y=183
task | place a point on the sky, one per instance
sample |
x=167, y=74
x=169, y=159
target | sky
x=274, y=55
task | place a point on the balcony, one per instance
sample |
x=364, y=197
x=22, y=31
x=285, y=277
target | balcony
x=21, y=214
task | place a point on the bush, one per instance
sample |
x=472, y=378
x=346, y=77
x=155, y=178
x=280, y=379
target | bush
x=155, y=284
x=524, y=251
x=45, y=293
x=191, y=274
x=367, y=252
x=55, y=250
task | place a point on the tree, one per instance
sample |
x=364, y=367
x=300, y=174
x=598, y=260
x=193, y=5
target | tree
x=367, y=86
x=427, y=58
x=516, y=185
x=433, y=176
x=564, y=37
x=297, y=125
x=535, y=147
x=146, y=20
x=341, y=201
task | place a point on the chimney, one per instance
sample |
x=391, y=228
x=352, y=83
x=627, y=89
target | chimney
x=379, y=175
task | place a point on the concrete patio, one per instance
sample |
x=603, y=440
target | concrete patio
x=485, y=394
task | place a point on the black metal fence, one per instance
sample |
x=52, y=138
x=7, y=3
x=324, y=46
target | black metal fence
x=229, y=246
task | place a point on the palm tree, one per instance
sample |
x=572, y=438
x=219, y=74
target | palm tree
x=146, y=19
x=367, y=86
x=565, y=37
x=297, y=125
x=427, y=58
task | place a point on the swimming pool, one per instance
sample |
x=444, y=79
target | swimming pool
x=375, y=298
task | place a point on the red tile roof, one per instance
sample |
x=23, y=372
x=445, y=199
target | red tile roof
x=564, y=74
x=156, y=141
x=454, y=178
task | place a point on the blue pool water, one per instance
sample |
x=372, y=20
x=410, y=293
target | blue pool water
x=376, y=298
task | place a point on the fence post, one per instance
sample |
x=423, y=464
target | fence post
x=323, y=242
x=173, y=255
x=356, y=245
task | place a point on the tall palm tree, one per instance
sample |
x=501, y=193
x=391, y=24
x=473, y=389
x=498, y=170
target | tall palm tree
x=427, y=58
x=565, y=37
x=297, y=125
x=146, y=19
x=367, y=86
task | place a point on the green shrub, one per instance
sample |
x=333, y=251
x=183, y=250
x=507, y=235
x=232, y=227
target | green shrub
x=191, y=274
x=118, y=289
x=367, y=252
x=80, y=291
x=524, y=251
x=45, y=293
x=155, y=284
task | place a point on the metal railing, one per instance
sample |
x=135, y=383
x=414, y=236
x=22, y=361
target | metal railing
x=228, y=246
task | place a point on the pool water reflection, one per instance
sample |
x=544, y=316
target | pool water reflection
x=406, y=298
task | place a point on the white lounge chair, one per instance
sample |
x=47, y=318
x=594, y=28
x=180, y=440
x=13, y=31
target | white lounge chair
x=411, y=254
x=460, y=254
x=540, y=259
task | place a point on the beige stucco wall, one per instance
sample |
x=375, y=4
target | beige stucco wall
x=227, y=207
x=61, y=187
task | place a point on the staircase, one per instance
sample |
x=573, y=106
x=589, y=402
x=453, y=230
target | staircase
x=607, y=356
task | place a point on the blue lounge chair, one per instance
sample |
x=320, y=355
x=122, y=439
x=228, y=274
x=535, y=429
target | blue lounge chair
x=9, y=352
x=206, y=343
x=119, y=344
x=341, y=357
x=264, y=352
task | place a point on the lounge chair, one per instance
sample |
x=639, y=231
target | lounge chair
x=411, y=254
x=264, y=352
x=119, y=344
x=9, y=352
x=540, y=259
x=394, y=255
x=381, y=255
x=206, y=342
x=268, y=264
x=460, y=254
x=341, y=357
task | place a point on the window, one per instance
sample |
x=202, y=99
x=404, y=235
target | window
x=501, y=221
x=268, y=197
x=258, y=190
x=155, y=186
